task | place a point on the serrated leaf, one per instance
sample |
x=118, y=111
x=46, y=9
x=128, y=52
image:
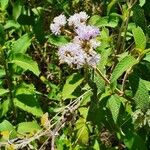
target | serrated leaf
x=25, y=62
x=4, y=4
x=21, y=45
x=28, y=127
x=139, y=17
x=114, y=104
x=122, y=66
x=58, y=40
x=71, y=84
x=139, y=38
x=140, y=92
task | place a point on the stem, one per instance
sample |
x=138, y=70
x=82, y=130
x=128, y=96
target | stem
x=9, y=84
x=121, y=41
x=107, y=81
x=101, y=75
x=124, y=79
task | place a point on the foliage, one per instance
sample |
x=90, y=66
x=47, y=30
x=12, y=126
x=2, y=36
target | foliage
x=46, y=104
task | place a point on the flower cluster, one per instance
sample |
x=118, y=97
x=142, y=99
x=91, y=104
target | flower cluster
x=80, y=51
x=140, y=118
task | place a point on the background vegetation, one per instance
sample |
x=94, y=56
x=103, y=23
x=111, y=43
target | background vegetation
x=47, y=105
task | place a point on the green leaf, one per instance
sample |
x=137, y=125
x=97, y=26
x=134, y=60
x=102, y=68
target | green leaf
x=122, y=66
x=7, y=126
x=26, y=99
x=71, y=84
x=4, y=107
x=3, y=91
x=17, y=8
x=98, y=21
x=28, y=127
x=28, y=103
x=38, y=28
x=2, y=35
x=4, y=4
x=21, y=45
x=134, y=142
x=25, y=62
x=82, y=131
x=11, y=24
x=139, y=17
x=114, y=104
x=142, y=2
x=139, y=38
x=58, y=40
x=140, y=92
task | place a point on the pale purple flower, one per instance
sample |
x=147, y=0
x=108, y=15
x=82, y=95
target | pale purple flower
x=77, y=40
x=60, y=20
x=87, y=32
x=55, y=28
x=57, y=24
x=77, y=19
x=92, y=59
x=72, y=54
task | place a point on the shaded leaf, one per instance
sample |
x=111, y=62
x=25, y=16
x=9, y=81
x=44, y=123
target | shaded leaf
x=114, y=104
x=140, y=92
x=58, y=40
x=134, y=142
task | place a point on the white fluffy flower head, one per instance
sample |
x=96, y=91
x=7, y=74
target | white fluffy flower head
x=77, y=19
x=57, y=24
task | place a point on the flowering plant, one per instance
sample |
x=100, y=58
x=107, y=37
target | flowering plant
x=80, y=51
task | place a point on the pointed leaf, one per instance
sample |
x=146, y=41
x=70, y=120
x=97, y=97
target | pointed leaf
x=71, y=84
x=28, y=103
x=114, y=104
x=140, y=92
x=25, y=62
x=21, y=45
x=139, y=38
x=122, y=66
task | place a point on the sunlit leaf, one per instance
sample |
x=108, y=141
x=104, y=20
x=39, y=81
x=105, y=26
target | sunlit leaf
x=25, y=62
x=71, y=84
